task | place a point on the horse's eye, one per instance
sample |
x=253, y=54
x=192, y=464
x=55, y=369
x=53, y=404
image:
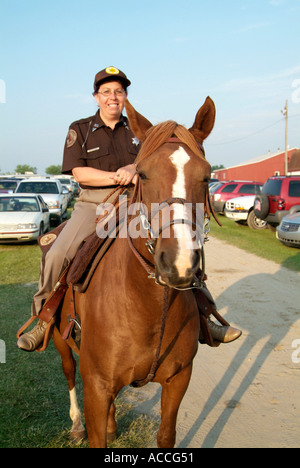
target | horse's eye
x=142, y=176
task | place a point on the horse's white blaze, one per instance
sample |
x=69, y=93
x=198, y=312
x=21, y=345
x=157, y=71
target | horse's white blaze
x=183, y=232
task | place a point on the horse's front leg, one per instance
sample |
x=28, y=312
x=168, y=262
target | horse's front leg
x=111, y=424
x=172, y=394
x=78, y=431
x=69, y=369
x=98, y=409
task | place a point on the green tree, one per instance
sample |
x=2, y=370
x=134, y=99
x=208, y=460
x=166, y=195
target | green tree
x=22, y=168
x=216, y=168
x=54, y=170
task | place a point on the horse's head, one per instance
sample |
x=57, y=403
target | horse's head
x=173, y=178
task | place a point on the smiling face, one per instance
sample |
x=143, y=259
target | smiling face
x=111, y=99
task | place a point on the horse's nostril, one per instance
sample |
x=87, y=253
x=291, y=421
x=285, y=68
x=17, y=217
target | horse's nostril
x=164, y=263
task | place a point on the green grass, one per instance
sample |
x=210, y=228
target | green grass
x=262, y=243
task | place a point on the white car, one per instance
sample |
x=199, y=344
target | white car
x=240, y=210
x=53, y=194
x=288, y=232
x=23, y=217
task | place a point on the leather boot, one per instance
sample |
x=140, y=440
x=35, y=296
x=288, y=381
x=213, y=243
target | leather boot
x=31, y=341
x=223, y=333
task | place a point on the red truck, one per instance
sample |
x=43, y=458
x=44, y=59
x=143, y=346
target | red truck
x=280, y=197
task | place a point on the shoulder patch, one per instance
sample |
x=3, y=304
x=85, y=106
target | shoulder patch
x=47, y=239
x=71, y=138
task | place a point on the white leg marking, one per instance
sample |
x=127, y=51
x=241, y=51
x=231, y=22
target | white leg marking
x=182, y=231
x=75, y=413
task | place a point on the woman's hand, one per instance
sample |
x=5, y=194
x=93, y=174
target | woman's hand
x=124, y=175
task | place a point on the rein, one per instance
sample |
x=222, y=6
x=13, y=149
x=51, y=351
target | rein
x=154, y=367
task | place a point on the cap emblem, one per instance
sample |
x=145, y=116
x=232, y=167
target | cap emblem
x=112, y=71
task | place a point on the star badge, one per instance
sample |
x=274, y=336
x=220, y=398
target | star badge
x=135, y=141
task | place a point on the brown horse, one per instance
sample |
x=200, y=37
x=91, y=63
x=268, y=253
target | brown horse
x=133, y=328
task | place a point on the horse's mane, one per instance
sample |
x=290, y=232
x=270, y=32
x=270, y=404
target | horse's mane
x=158, y=135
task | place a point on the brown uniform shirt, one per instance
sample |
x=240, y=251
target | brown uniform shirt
x=90, y=143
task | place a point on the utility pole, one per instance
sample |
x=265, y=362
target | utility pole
x=285, y=113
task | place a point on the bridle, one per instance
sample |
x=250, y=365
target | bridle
x=153, y=235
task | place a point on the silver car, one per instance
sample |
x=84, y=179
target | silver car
x=23, y=217
x=52, y=192
x=288, y=232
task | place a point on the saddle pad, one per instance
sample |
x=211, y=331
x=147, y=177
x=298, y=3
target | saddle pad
x=86, y=261
x=46, y=240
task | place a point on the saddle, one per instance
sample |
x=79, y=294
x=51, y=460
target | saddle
x=77, y=275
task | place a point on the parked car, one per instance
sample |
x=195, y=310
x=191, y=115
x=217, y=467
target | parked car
x=280, y=197
x=52, y=192
x=8, y=185
x=68, y=193
x=232, y=189
x=213, y=186
x=67, y=182
x=241, y=210
x=76, y=189
x=288, y=232
x=23, y=217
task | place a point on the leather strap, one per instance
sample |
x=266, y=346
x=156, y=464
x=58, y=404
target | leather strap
x=71, y=318
x=51, y=305
x=49, y=310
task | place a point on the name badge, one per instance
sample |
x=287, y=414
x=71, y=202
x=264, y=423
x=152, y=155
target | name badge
x=93, y=149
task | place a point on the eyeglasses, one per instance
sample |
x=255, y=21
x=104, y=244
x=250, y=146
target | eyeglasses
x=109, y=92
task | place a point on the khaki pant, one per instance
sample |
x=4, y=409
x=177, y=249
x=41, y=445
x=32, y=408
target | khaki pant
x=79, y=227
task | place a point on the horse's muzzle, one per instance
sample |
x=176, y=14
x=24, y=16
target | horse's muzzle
x=174, y=274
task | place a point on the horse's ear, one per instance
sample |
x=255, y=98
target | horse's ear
x=138, y=123
x=204, y=121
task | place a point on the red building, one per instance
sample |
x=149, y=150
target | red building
x=259, y=169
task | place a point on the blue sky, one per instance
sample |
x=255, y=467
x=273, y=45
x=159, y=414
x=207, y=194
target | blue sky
x=244, y=54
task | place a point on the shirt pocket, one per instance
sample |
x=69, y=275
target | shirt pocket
x=98, y=157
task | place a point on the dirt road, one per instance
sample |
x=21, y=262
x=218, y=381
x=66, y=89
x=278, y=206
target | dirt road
x=244, y=394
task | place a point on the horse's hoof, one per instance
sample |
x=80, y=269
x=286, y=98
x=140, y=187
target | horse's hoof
x=111, y=437
x=77, y=436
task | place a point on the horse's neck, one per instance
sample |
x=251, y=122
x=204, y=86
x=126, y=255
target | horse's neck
x=137, y=266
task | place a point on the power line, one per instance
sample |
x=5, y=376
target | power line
x=252, y=134
x=247, y=136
